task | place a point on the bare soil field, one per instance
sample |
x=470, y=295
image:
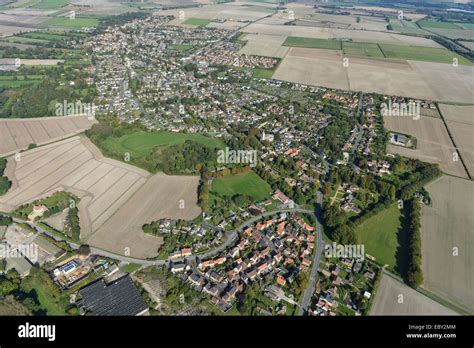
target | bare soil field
x=348, y=21
x=468, y=44
x=446, y=83
x=264, y=45
x=458, y=113
x=6, y=30
x=229, y=25
x=159, y=197
x=32, y=61
x=433, y=142
x=116, y=198
x=423, y=80
x=386, y=300
x=331, y=33
x=311, y=66
x=447, y=224
x=17, y=134
x=229, y=12
x=460, y=122
x=16, y=45
x=454, y=33
x=23, y=19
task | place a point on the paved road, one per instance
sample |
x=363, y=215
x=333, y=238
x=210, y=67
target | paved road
x=306, y=300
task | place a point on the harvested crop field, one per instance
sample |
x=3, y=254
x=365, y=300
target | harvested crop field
x=386, y=300
x=230, y=11
x=320, y=67
x=331, y=33
x=461, y=126
x=116, y=198
x=413, y=79
x=433, y=142
x=17, y=134
x=6, y=30
x=447, y=224
x=32, y=61
x=264, y=45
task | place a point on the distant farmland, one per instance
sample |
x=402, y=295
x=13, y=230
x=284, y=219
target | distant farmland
x=307, y=42
x=448, y=224
x=201, y=22
x=387, y=297
x=50, y=4
x=72, y=23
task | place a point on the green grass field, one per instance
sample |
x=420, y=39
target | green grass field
x=44, y=36
x=467, y=26
x=197, y=21
x=72, y=23
x=141, y=143
x=49, y=296
x=181, y=48
x=50, y=4
x=373, y=50
x=380, y=235
x=17, y=83
x=362, y=49
x=427, y=23
x=405, y=27
x=263, y=73
x=426, y=54
x=295, y=41
x=130, y=267
x=245, y=184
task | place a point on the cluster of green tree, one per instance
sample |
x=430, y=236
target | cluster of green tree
x=187, y=158
x=414, y=276
x=336, y=224
x=178, y=294
x=286, y=167
x=110, y=126
x=117, y=20
x=380, y=141
x=32, y=53
x=25, y=292
x=190, y=157
x=72, y=226
x=414, y=181
x=203, y=192
x=453, y=46
x=367, y=181
x=41, y=99
x=5, y=220
x=335, y=134
x=5, y=184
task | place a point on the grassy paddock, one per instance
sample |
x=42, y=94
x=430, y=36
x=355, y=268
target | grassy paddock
x=427, y=54
x=295, y=41
x=383, y=237
x=245, y=184
x=201, y=22
x=362, y=49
